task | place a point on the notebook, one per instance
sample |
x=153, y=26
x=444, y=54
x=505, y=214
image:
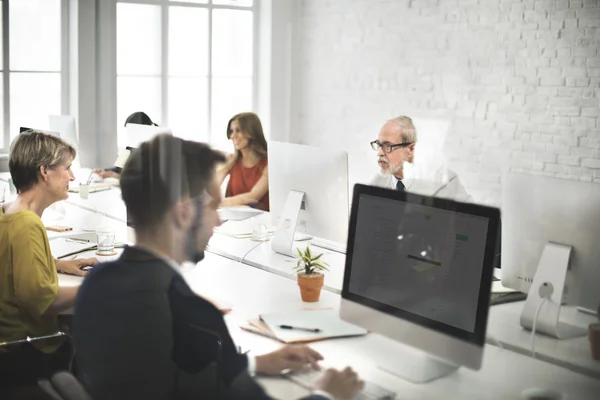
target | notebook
x=327, y=321
x=64, y=246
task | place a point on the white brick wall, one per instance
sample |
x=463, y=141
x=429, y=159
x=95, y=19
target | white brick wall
x=518, y=81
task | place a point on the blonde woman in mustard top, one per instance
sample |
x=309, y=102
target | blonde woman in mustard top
x=247, y=167
x=30, y=297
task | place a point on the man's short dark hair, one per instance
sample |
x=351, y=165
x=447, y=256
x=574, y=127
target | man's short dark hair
x=161, y=172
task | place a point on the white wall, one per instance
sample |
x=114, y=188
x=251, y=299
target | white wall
x=516, y=83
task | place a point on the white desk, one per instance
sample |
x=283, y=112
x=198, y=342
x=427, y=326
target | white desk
x=574, y=354
x=504, y=375
x=261, y=256
x=270, y=290
x=81, y=220
x=105, y=202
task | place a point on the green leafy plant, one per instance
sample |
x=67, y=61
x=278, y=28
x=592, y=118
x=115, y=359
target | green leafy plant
x=309, y=264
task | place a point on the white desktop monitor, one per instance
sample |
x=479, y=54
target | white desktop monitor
x=537, y=210
x=135, y=134
x=67, y=130
x=66, y=127
x=321, y=174
x=419, y=272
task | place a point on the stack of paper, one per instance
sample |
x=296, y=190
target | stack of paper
x=300, y=324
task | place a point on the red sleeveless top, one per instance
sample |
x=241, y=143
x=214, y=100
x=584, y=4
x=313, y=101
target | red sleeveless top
x=242, y=180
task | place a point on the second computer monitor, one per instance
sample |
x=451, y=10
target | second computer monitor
x=418, y=270
x=538, y=210
x=322, y=175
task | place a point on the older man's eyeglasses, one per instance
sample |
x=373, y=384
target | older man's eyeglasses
x=387, y=146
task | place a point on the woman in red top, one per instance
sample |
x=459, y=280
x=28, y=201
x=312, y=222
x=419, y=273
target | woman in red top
x=247, y=166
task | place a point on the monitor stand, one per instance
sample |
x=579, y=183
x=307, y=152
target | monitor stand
x=404, y=361
x=549, y=282
x=283, y=239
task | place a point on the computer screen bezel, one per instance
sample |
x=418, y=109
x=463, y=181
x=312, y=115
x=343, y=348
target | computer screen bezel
x=492, y=214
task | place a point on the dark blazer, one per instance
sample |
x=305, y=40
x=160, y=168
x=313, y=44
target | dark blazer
x=140, y=332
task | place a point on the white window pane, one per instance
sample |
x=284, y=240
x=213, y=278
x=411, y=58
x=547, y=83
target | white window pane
x=241, y=3
x=188, y=108
x=33, y=96
x=137, y=94
x=188, y=41
x=230, y=96
x=138, y=39
x=232, y=43
x=35, y=35
x=192, y=1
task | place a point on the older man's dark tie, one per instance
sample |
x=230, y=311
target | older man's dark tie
x=400, y=186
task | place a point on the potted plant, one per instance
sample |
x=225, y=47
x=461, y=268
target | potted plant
x=310, y=277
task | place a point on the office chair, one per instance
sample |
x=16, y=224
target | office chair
x=33, y=391
x=64, y=386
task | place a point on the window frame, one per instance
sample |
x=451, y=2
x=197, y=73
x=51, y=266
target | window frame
x=6, y=71
x=164, y=75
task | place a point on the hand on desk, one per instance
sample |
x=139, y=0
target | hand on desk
x=106, y=174
x=341, y=385
x=291, y=357
x=73, y=267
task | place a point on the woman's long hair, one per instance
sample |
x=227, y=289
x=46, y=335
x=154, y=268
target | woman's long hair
x=250, y=124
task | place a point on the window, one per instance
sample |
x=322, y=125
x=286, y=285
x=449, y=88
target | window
x=187, y=64
x=32, y=59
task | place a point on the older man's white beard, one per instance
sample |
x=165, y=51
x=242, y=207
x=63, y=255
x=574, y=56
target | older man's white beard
x=396, y=170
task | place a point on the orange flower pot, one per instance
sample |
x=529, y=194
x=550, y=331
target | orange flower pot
x=310, y=286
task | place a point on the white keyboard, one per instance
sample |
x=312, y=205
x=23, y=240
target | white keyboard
x=329, y=245
x=371, y=390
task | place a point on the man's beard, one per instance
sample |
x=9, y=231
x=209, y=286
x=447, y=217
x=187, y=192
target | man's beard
x=192, y=253
x=392, y=169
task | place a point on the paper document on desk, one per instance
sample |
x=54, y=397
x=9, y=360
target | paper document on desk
x=327, y=321
x=96, y=186
x=65, y=246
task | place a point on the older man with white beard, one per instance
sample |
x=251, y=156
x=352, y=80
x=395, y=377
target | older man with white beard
x=395, y=146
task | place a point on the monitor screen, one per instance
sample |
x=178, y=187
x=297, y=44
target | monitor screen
x=421, y=261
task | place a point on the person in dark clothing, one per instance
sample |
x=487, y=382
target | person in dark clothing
x=138, y=117
x=139, y=330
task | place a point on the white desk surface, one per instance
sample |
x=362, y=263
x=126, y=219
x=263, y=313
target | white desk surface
x=105, y=202
x=105, y=209
x=504, y=374
x=574, y=354
x=261, y=256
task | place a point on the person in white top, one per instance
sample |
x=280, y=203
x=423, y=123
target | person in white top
x=395, y=146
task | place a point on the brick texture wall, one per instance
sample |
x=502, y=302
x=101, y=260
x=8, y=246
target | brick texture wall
x=516, y=81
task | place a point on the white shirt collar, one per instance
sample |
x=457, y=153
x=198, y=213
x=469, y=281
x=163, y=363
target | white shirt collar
x=172, y=263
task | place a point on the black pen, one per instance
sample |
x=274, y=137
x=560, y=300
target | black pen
x=315, y=330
